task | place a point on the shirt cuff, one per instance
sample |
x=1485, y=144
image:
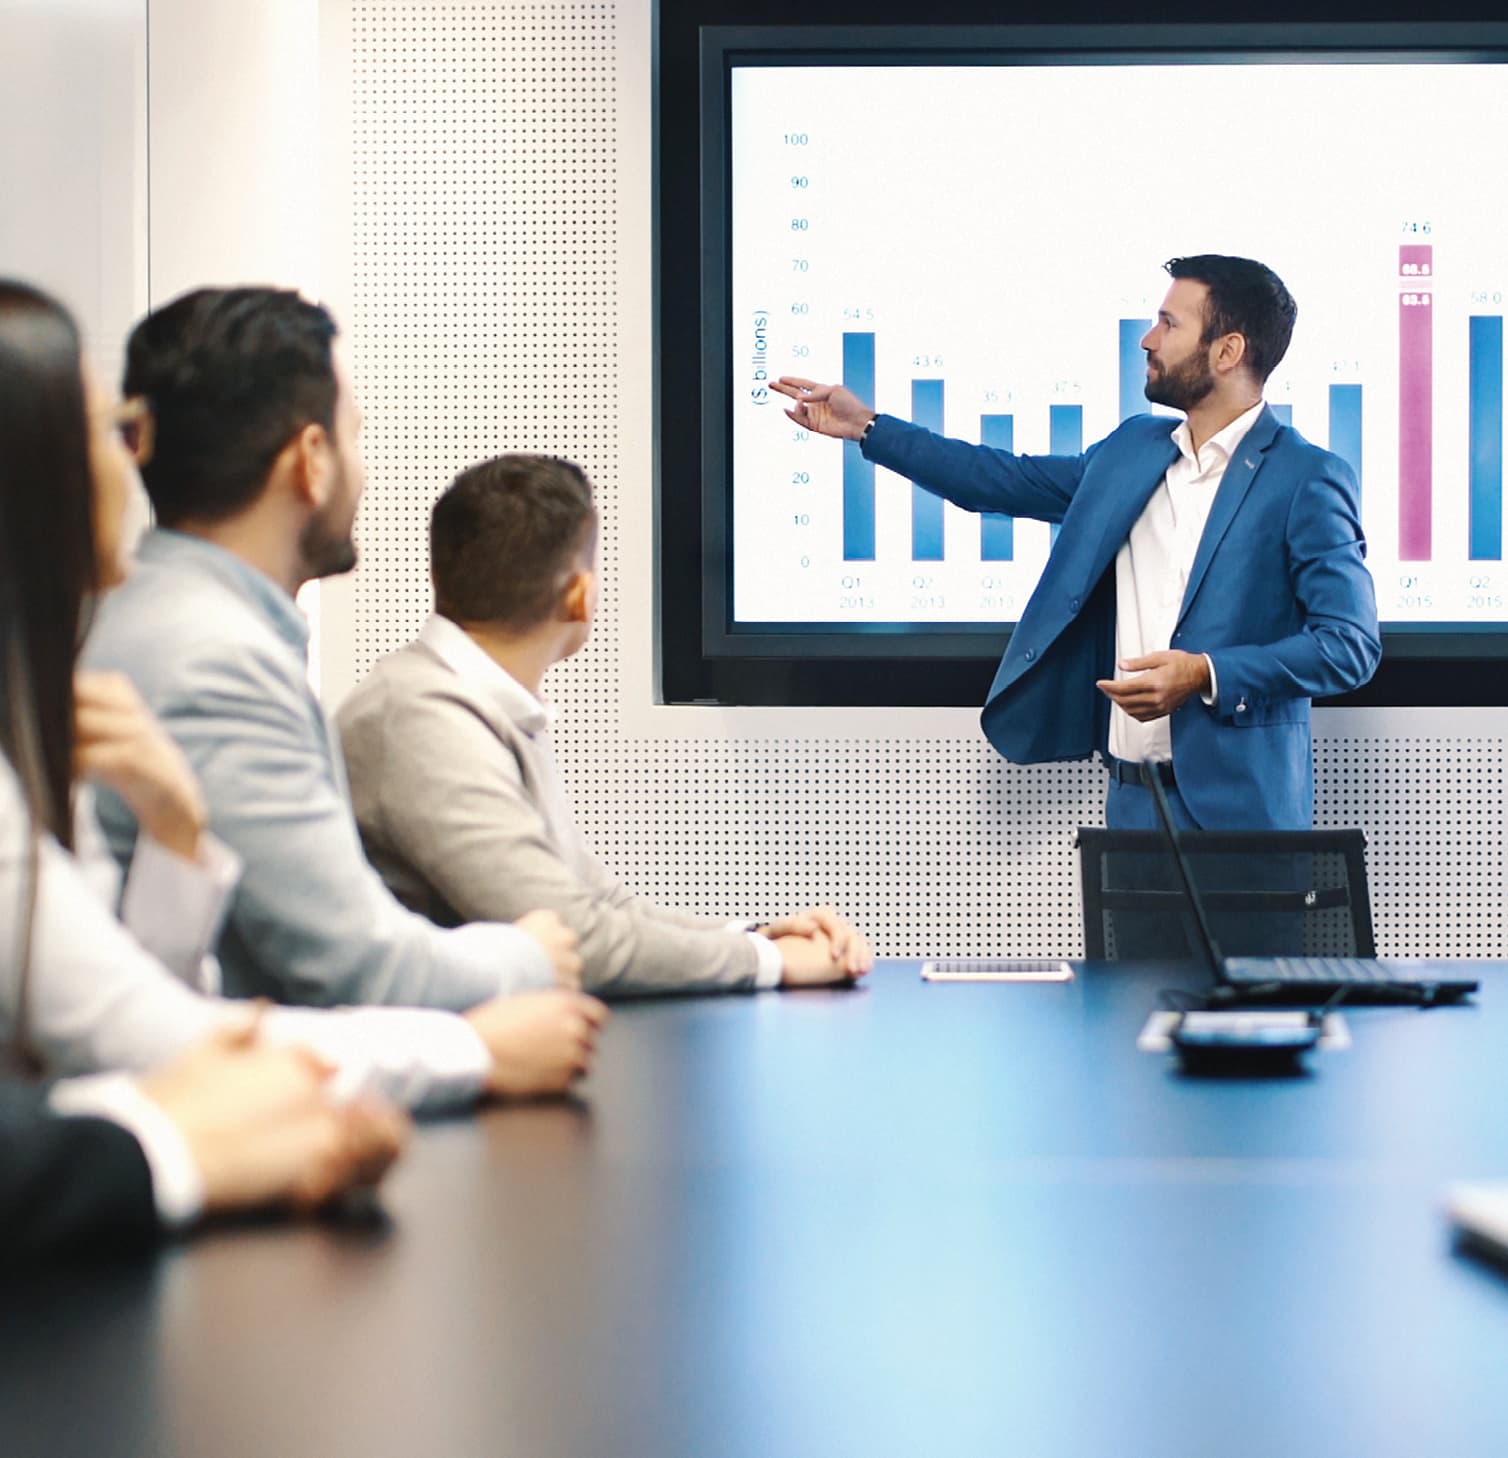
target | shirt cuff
x=176, y=907
x=177, y=1186
x=513, y=960
x=771, y=969
x=1214, y=693
x=420, y=1058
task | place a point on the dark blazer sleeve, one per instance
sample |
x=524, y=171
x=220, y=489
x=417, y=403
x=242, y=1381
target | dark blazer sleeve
x=68, y=1186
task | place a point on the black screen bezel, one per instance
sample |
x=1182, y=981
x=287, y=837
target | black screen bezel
x=702, y=657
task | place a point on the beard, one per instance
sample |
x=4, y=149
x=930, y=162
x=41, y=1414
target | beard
x=1183, y=386
x=326, y=545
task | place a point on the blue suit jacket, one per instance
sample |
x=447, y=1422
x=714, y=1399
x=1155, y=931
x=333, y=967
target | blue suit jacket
x=1279, y=597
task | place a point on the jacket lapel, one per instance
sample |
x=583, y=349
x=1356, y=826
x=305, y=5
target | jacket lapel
x=1126, y=506
x=1234, y=485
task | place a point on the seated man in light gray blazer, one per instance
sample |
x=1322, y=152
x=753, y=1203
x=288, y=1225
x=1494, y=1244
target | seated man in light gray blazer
x=255, y=475
x=447, y=745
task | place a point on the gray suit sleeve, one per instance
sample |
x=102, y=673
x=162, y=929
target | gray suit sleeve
x=310, y=915
x=440, y=792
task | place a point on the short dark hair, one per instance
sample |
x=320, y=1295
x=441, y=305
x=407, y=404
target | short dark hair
x=1246, y=298
x=505, y=537
x=232, y=375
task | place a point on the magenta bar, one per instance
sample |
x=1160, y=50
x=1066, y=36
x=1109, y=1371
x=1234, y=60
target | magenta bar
x=1416, y=260
x=1416, y=335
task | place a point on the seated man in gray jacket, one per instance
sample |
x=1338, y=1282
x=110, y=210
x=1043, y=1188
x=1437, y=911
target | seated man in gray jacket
x=447, y=744
x=255, y=473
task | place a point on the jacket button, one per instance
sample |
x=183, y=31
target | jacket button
x=1073, y=607
x=1241, y=706
x=1031, y=653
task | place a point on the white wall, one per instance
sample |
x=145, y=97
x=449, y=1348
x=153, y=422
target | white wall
x=73, y=159
x=151, y=146
x=234, y=126
x=234, y=144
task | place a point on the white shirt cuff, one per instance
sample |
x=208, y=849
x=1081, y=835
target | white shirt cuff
x=771, y=968
x=420, y=1058
x=510, y=959
x=1214, y=693
x=175, y=907
x=177, y=1186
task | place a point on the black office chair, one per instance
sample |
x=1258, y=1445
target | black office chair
x=1266, y=893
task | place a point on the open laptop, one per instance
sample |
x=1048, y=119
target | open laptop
x=1310, y=979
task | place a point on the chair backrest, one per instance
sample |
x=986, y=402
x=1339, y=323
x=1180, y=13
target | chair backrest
x=1266, y=893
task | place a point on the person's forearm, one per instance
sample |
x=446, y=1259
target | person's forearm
x=417, y=1058
x=977, y=478
x=175, y=908
x=98, y=999
x=1319, y=661
x=69, y=1185
x=624, y=947
x=311, y=919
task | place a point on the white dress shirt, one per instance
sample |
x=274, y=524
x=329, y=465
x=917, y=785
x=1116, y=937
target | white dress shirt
x=1152, y=572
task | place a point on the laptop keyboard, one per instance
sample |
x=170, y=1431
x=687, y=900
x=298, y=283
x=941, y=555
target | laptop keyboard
x=1336, y=970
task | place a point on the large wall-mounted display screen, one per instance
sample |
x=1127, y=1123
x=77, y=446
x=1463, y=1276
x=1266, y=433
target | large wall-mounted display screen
x=977, y=249
x=973, y=240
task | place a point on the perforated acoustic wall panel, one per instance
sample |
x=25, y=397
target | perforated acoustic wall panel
x=498, y=300
x=484, y=266
x=1433, y=804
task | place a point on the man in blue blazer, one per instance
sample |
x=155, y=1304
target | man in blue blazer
x=1208, y=579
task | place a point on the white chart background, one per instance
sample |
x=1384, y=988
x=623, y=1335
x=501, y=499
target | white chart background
x=1003, y=220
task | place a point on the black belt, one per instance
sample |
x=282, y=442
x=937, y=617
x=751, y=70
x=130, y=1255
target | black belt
x=1128, y=771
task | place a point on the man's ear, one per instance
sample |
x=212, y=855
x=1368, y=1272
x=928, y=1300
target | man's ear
x=309, y=461
x=576, y=600
x=1229, y=352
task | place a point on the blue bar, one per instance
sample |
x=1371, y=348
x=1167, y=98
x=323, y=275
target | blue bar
x=1345, y=426
x=1133, y=368
x=1065, y=436
x=997, y=534
x=1065, y=430
x=858, y=474
x=1486, y=471
x=1283, y=413
x=926, y=509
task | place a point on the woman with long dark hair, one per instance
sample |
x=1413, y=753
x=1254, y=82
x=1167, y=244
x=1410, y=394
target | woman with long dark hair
x=64, y=486
x=78, y=991
x=104, y=1163
x=64, y=474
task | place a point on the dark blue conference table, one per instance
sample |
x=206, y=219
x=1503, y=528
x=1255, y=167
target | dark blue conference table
x=907, y=1220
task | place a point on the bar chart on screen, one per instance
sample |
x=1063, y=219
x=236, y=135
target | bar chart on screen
x=978, y=251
